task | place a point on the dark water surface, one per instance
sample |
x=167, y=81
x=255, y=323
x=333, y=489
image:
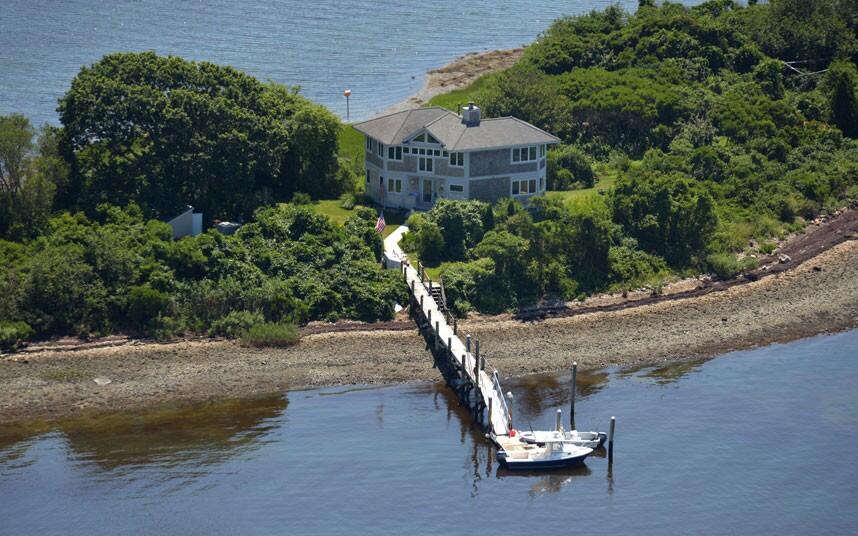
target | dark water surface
x=380, y=49
x=761, y=441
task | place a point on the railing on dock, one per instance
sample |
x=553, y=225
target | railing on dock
x=463, y=369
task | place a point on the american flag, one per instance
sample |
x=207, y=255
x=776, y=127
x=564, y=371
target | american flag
x=380, y=225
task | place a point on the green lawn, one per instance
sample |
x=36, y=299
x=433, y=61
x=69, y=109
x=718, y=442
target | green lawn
x=454, y=99
x=351, y=144
x=337, y=214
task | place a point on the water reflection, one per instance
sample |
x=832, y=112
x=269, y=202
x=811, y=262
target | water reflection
x=551, y=482
x=667, y=373
x=536, y=393
x=204, y=433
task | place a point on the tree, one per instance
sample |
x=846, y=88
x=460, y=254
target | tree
x=30, y=170
x=841, y=82
x=671, y=216
x=529, y=94
x=574, y=163
x=164, y=132
x=16, y=145
x=768, y=74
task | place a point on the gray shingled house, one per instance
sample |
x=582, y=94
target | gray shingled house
x=415, y=157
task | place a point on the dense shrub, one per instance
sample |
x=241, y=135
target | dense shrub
x=235, y=323
x=670, y=216
x=727, y=266
x=13, y=333
x=124, y=273
x=567, y=166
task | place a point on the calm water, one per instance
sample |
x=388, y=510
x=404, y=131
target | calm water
x=761, y=441
x=378, y=48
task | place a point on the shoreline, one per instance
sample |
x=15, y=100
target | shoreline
x=457, y=74
x=817, y=296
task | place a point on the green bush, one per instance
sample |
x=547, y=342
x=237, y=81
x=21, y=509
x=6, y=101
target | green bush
x=768, y=247
x=273, y=334
x=727, y=266
x=146, y=307
x=12, y=334
x=567, y=165
x=236, y=323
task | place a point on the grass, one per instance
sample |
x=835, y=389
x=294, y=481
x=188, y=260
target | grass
x=351, y=144
x=606, y=178
x=271, y=334
x=454, y=99
x=337, y=214
x=332, y=209
x=62, y=374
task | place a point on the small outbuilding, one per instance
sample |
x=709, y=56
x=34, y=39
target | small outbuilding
x=188, y=223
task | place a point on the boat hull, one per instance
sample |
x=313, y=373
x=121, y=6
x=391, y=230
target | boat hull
x=528, y=464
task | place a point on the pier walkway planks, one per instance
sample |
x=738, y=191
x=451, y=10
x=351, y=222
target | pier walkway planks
x=482, y=389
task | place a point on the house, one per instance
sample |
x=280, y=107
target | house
x=415, y=157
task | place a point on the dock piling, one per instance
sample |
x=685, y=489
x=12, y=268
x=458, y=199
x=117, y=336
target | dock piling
x=572, y=395
x=437, y=336
x=558, y=420
x=611, y=440
x=468, y=343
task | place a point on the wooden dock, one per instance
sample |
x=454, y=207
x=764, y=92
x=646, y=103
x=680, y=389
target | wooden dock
x=459, y=361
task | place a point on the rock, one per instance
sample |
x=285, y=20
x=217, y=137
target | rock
x=817, y=268
x=784, y=258
x=101, y=380
x=723, y=319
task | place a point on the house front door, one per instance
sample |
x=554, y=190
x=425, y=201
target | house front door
x=427, y=191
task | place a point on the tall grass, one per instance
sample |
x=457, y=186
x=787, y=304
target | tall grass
x=271, y=334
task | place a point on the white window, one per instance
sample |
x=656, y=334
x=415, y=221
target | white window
x=524, y=154
x=368, y=143
x=425, y=164
x=457, y=188
x=367, y=175
x=541, y=184
x=380, y=152
x=394, y=185
x=542, y=151
x=523, y=186
x=457, y=159
x=394, y=152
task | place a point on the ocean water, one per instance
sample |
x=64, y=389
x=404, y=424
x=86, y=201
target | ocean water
x=380, y=49
x=754, y=442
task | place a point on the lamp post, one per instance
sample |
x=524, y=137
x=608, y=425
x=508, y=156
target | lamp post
x=347, y=93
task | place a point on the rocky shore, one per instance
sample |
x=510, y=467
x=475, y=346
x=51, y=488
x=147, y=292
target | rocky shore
x=817, y=296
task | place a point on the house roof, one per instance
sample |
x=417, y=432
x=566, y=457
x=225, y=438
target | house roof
x=449, y=129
